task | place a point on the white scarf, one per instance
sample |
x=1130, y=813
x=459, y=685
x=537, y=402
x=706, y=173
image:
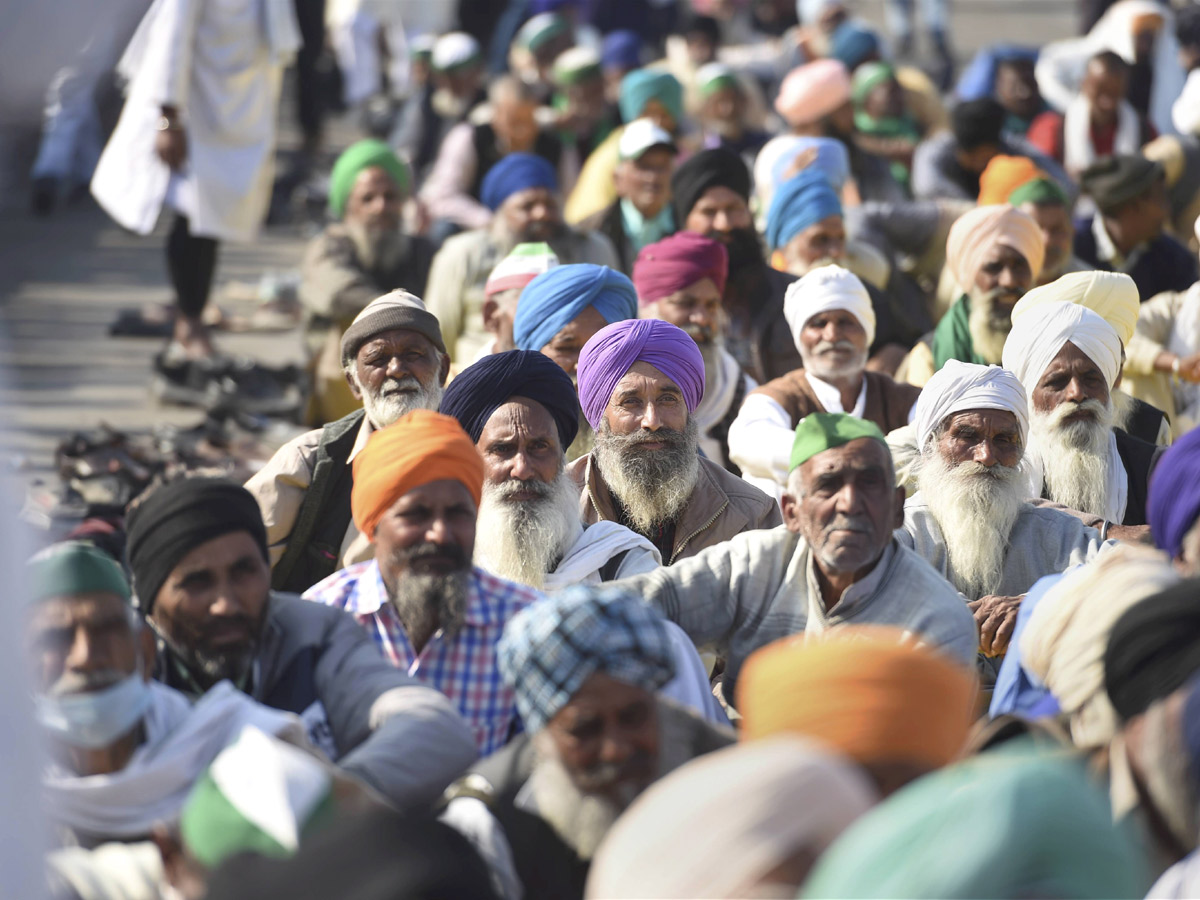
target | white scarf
x=1078, y=150
x=1183, y=341
x=181, y=741
x=599, y=543
x=715, y=403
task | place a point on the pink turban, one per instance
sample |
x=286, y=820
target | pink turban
x=612, y=351
x=975, y=234
x=812, y=91
x=677, y=262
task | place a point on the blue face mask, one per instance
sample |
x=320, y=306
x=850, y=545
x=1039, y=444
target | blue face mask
x=95, y=719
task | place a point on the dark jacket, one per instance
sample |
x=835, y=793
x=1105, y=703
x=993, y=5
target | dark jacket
x=1139, y=458
x=611, y=224
x=757, y=335
x=1163, y=265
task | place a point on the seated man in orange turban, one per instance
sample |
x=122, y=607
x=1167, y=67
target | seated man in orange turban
x=417, y=486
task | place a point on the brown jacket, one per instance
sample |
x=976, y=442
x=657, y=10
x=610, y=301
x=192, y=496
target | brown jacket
x=888, y=402
x=722, y=506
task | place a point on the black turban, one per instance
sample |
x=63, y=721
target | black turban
x=1115, y=180
x=977, y=122
x=176, y=518
x=1154, y=649
x=707, y=169
x=483, y=387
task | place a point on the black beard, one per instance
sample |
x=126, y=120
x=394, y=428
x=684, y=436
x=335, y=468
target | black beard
x=744, y=249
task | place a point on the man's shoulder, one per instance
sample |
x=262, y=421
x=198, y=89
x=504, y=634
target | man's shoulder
x=335, y=590
x=1169, y=245
x=889, y=386
x=734, y=488
x=577, y=468
x=914, y=576
x=502, y=597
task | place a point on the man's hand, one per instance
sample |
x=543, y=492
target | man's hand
x=996, y=618
x=1189, y=368
x=171, y=147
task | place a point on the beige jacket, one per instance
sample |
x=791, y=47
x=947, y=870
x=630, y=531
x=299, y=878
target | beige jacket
x=1156, y=317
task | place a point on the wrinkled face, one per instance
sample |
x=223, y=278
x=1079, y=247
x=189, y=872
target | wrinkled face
x=718, y=214
x=564, y=347
x=722, y=105
x=833, y=344
x=532, y=215
x=1055, y=222
x=515, y=124
x=83, y=642
x=428, y=531
x=821, y=240
x=985, y=436
x=848, y=507
x=1007, y=271
x=1016, y=88
x=885, y=100
x=396, y=372
x=607, y=738
x=646, y=181
x=696, y=309
x=375, y=201
x=1104, y=90
x=646, y=400
x=1071, y=376
x=212, y=605
x=520, y=443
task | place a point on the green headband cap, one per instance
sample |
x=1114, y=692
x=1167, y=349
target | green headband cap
x=824, y=431
x=73, y=567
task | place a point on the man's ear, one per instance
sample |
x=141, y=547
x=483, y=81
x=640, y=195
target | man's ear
x=790, y=506
x=353, y=386
x=490, y=307
x=901, y=496
x=444, y=372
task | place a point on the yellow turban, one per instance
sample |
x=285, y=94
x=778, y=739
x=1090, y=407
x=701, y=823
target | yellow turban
x=862, y=690
x=1111, y=295
x=976, y=233
x=422, y=447
x=1003, y=175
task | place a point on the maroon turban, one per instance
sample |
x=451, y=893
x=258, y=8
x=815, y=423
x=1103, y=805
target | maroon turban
x=677, y=262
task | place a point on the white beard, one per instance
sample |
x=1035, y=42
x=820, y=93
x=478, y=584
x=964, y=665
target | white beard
x=523, y=540
x=397, y=398
x=975, y=508
x=989, y=328
x=815, y=363
x=1074, y=455
x=654, y=487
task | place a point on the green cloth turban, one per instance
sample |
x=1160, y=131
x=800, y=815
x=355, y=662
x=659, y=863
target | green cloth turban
x=74, y=567
x=363, y=155
x=867, y=77
x=1039, y=190
x=824, y=431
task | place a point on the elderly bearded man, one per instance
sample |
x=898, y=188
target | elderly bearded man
x=680, y=280
x=1068, y=359
x=995, y=254
x=394, y=360
x=585, y=666
x=970, y=519
x=417, y=487
x=830, y=315
x=640, y=383
x=834, y=561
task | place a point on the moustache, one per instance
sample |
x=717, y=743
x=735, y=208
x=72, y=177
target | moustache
x=605, y=775
x=856, y=524
x=452, y=552
x=1094, y=409
x=507, y=489
x=701, y=334
x=669, y=436
x=834, y=346
x=406, y=384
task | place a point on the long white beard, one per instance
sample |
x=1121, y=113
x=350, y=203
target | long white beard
x=653, y=486
x=1074, y=455
x=975, y=508
x=397, y=398
x=522, y=540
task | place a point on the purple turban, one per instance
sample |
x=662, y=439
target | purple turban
x=614, y=349
x=1174, y=502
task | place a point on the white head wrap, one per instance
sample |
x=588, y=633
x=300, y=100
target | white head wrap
x=823, y=289
x=959, y=386
x=1111, y=295
x=1038, y=336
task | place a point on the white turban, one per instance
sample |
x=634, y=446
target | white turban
x=959, y=386
x=1038, y=336
x=823, y=289
x=1112, y=295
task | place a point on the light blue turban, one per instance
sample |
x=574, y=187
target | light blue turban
x=641, y=86
x=556, y=297
x=798, y=203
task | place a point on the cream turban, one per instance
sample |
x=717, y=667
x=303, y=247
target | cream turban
x=974, y=235
x=823, y=289
x=1112, y=295
x=960, y=386
x=1042, y=332
x=1063, y=643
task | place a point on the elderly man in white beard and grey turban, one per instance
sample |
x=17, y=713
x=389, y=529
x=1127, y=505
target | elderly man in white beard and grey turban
x=1068, y=358
x=970, y=519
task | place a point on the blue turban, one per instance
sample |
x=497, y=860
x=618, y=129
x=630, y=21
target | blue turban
x=516, y=172
x=621, y=49
x=551, y=648
x=556, y=297
x=853, y=44
x=612, y=351
x=798, y=203
x=483, y=387
x=1174, y=502
x=643, y=85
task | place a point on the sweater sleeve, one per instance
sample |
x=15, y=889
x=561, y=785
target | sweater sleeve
x=760, y=439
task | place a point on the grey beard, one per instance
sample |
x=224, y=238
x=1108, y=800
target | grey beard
x=988, y=326
x=378, y=249
x=397, y=398
x=815, y=364
x=1074, y=455
x=653, y=486
x=426, y=603
x=975, y=508
x=522, y=540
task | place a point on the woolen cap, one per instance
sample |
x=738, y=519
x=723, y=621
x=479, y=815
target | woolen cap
x=1116, y=179
x=399, y=309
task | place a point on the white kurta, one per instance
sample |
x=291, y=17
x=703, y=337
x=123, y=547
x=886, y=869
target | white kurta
x=219, y=63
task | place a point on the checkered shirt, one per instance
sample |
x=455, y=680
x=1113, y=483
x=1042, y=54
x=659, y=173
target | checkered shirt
x=463, y=668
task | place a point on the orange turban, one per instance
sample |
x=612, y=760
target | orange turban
x=863, y=691
x=1003, y=175
x=977, y=232
x=420, y=448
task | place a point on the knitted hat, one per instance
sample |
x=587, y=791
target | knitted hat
x=399, y=309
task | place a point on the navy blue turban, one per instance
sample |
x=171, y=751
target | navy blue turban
x=483, y=387
x=516, y=172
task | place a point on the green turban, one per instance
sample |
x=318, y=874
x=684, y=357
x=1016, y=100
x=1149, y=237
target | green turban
x=73, y=567
x=363, y=155
x=824, y=431
x=1040, y=190
x=867, y=77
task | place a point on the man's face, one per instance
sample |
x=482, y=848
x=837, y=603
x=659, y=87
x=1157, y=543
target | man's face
x=1006, y=271
x=824, y=240
x=520, y=449
x=849, y=506
x=696, y=309
x=723, y=105
x=646, y=400
x=700, y=48
x=646, y=181
x=1071, y=377
x=1055, y=222
x=607, y=738
x=396, y=372
x=833, y=344
x=375, y=201
x=82, y=643
x=532, y=215
x=212, y=605
x=461, y=82
x=718, y=214
x=984, y=436
x=564, y=347
x=430, y=531
x=515, y=125
x=885, y=101
x=657, y=112
x=1016, y=88
x=585, y=99
x=1144, y=218
x=1104, y=90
